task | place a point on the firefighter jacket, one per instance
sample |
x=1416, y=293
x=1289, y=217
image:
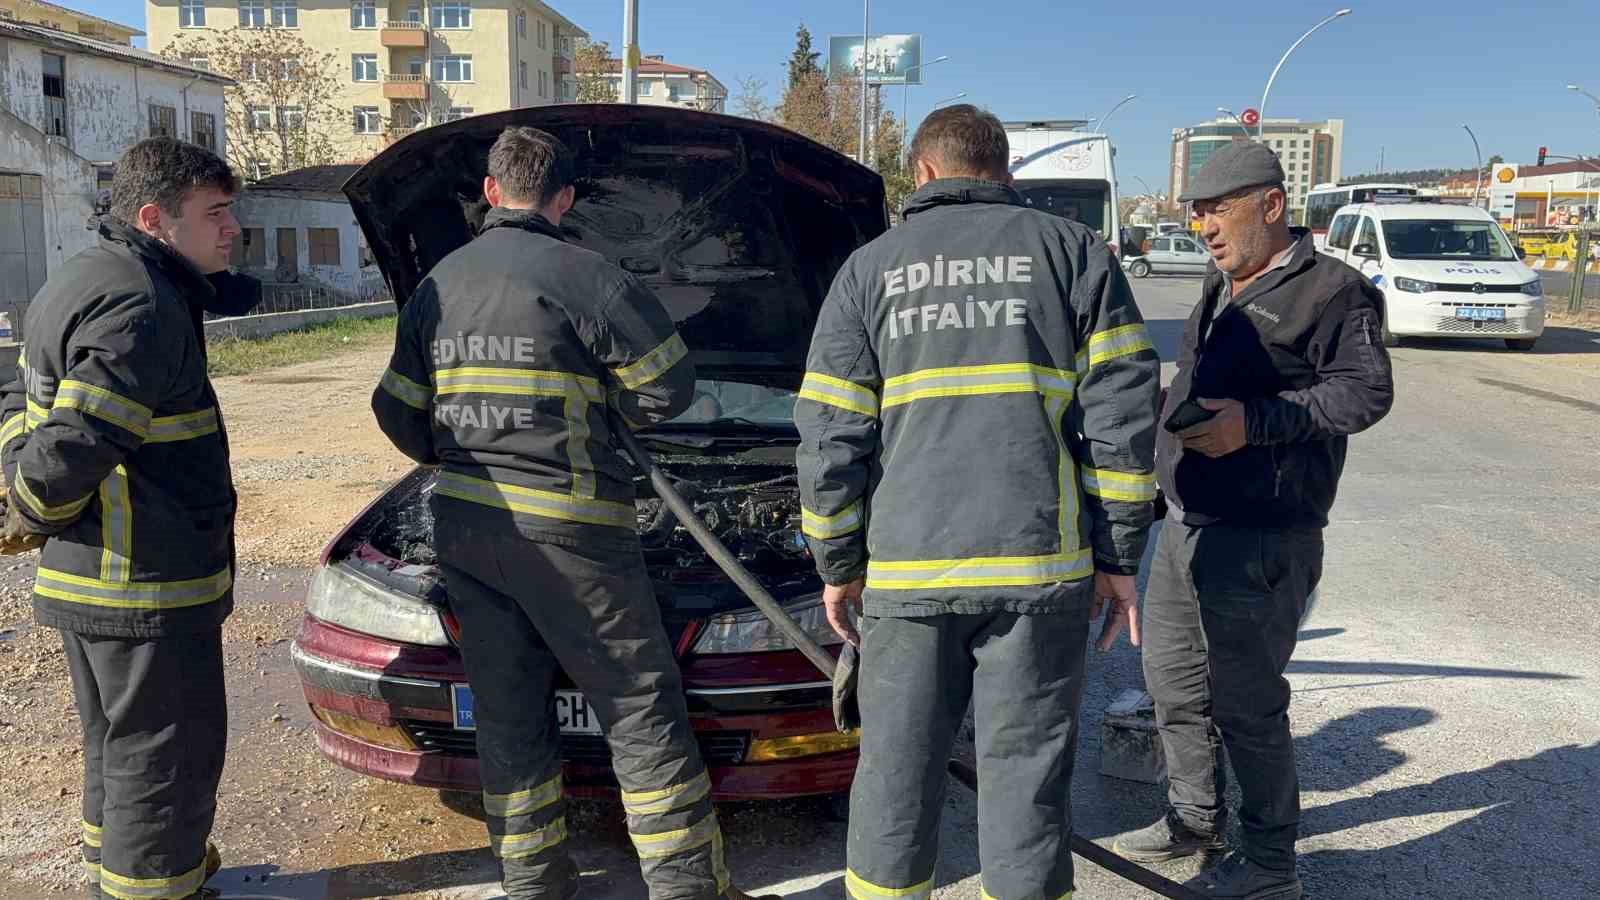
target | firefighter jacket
x=978, y=411
x=505, y=359
x=112, y=443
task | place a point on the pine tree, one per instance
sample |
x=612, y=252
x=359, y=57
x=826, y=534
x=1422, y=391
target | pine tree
x=803, y=61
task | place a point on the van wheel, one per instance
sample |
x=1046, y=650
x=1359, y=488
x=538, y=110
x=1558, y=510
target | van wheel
x=1521, y=344
x=1139, y=269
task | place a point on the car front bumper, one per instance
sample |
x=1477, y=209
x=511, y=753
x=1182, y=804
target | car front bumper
x=384, y=709
x=1435, y=315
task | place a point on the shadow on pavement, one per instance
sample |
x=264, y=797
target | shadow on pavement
x=1312, y=634
x=1349, y=750
x=1529, y=832
x=1556, y=341
x=1420, y=670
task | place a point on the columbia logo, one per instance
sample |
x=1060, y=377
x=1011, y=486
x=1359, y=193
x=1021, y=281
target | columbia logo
x=1271, y=316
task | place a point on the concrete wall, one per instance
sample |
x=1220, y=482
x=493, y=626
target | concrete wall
x=271, y=210
x=70, y=185
x=256, y=327
x=107, y=100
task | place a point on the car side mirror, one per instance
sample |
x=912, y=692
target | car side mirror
x=1369, y=251
x=1521, y=253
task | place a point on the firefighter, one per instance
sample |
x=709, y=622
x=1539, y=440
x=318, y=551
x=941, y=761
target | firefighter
x=976, y=461
x=505, y=359
x=116, y=462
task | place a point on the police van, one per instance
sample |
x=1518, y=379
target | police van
x=1446, y=271
x=1062, y=169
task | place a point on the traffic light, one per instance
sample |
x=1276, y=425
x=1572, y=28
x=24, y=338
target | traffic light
x=1542, y=152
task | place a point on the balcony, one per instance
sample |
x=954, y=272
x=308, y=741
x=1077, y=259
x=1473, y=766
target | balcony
x=562, y=66
x=405, y=87
x=403, y=34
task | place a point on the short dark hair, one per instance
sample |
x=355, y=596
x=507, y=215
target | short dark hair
x=531, y=166
x=963, y=140
x=164, y=171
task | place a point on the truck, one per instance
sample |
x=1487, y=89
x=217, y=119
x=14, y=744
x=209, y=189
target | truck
x=1061, y=167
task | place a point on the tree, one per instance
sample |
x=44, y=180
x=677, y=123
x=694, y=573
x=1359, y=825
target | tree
x=280, y=113
x=803, y=61
x=1496, y=160
x=593, y=64
x=751, y=101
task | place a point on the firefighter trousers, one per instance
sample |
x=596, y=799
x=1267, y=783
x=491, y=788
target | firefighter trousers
x=1222, y=613
x=155, y=732
x=1023, y=675
x=527, y=608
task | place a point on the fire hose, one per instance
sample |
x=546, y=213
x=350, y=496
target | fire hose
x=826, y=664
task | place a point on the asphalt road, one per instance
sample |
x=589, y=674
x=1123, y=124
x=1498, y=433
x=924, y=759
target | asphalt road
x=1447, y=724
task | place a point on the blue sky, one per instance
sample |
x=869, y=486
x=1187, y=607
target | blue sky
x=1403, y=74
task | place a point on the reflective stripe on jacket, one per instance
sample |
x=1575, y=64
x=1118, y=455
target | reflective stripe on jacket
x=977, y=416
x=112, y=444
x=505, y=359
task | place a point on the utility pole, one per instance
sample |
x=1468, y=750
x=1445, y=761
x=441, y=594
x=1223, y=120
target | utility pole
x=866, y=45
x=630, y=51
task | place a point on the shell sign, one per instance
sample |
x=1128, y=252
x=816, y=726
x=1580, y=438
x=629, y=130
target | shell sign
x=1505, y=174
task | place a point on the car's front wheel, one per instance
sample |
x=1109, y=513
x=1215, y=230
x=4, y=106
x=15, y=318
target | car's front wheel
x=1390, y=339
x=1521, y=344
x=1139, y=269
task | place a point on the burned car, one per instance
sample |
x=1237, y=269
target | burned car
x=739, y=227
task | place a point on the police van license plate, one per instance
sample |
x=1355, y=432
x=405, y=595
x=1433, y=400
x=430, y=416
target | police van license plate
x=573, y=714
x=1480, y=314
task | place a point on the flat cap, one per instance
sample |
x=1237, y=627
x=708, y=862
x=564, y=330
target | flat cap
x=1240, y=165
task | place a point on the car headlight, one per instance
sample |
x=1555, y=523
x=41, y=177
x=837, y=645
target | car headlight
x=1534, y=288
x=752, y=632
x=343, y=597
x=1413, y=286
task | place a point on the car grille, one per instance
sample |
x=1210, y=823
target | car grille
x=1462, y=326
x=717, y=748
x=1472, y=288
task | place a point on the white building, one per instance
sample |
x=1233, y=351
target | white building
x=1311, y=152
x=665, y=84
x=299, y=230
x=1555, y=195
x=69, y=106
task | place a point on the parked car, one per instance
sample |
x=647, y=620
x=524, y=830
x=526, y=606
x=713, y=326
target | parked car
x=1171, y=254
x=739, y=226
x=1445, y=270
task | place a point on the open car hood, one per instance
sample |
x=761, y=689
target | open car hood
x=737, y=225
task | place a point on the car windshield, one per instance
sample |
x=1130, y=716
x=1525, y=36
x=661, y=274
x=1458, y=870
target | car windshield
x=737, y=403
x=1446, y=239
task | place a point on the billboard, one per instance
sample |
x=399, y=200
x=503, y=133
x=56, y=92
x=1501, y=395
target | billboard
x=892, y=58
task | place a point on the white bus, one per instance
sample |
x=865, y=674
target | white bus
x=1062, y=169
x=1323, y=200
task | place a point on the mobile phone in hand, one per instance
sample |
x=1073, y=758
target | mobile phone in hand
x=1187, y=415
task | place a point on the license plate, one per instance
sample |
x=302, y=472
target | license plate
x=1480, y=314
x=573, y=714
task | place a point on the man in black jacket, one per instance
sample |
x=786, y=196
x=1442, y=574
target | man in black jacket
x=116, y=461
x=1283, y=352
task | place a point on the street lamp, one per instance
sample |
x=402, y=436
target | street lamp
x=1146, y=186
x=1261, y=128
x=905, y=94
x=949, y=99
x=1236, y=120
x=1100, y=123
x=1573, y=87
x=1478, y=187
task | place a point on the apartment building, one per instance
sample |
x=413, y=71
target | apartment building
x=666, y=84
x=1311, y=152
x=404, y=64
x=70, y=21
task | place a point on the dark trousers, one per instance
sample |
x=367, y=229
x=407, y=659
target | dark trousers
x=1221, y=614
x=155, y=732
x=526, y=608
x=1024, y=677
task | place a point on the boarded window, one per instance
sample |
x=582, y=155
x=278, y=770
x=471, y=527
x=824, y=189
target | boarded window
x=203, y=130
x=249, y=249
x=324, y=244
x=163, y=121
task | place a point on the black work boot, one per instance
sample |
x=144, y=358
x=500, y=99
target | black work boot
x=1167, y=839
x=1237, y=878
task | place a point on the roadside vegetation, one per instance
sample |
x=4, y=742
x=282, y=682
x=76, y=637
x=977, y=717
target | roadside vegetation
x=244, y=356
